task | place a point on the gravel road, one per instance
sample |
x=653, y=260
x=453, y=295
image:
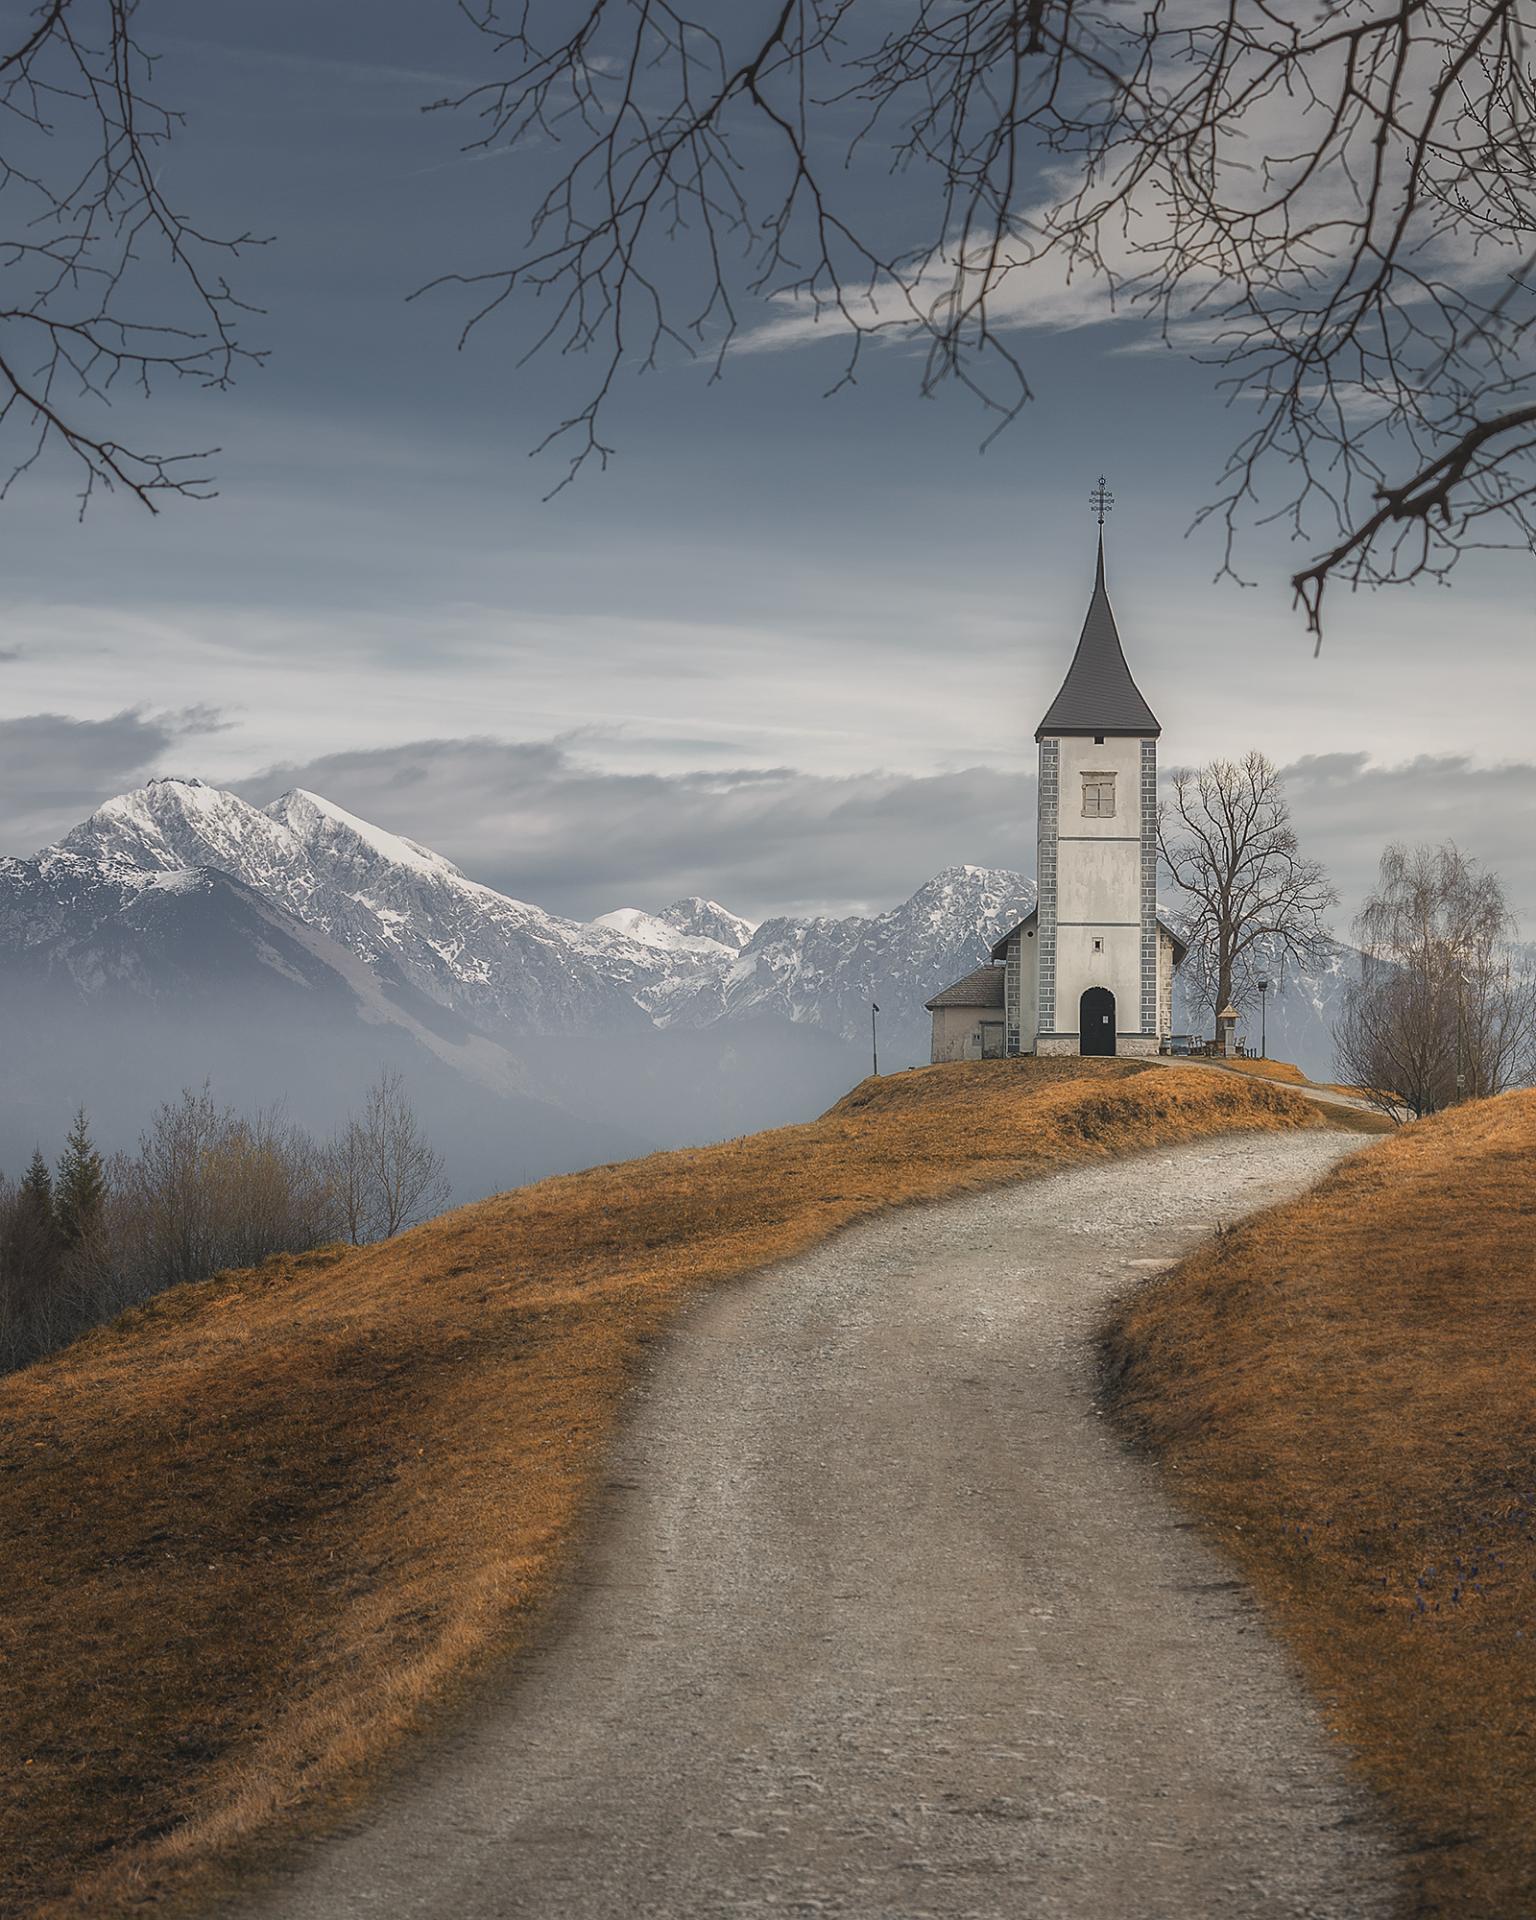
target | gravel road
x=878, y=1620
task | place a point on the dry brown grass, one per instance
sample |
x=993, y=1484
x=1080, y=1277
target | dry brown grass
x=252, y=1532
x=1266, y=1070
x=1344, y=1389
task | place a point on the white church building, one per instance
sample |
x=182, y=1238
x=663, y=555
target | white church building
x=1090, y=969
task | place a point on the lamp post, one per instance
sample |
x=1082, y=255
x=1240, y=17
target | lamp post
x=874, y=1040
x=1462, y=983
x=1263, y=1019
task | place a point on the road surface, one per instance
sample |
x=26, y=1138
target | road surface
x=879, y=1621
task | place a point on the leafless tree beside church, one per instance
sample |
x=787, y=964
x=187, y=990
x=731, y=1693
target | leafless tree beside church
x=1252, y=900
x=1443, y=1008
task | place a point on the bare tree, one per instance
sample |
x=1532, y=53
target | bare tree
x=1253, y=900
x=1441, y=1011
x=347, y=1164
x=1335, y=205
x=208, y=1189
x=109, y=289
x=383, y=1172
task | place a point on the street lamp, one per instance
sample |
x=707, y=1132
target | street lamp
x=1462, y=981
x=874, y=1040
x=1263, y=1019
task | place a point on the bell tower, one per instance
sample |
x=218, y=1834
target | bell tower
x=1097, y=944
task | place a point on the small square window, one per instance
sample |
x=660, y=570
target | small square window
x=1098, y=739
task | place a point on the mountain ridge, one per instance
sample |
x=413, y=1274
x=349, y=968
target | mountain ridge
x=673, y=1025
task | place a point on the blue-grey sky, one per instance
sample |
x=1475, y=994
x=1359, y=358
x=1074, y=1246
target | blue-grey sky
x=789, y=651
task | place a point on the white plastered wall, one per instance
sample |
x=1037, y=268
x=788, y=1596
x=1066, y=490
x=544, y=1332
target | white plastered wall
x=957, y=1032
x=1098, y=884
x=1022, y=988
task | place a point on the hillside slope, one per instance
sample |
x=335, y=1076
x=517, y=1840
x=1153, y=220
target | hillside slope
x=1343, y=1389
x=251, y=1533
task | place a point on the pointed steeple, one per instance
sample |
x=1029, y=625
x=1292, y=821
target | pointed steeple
x=1098, y=694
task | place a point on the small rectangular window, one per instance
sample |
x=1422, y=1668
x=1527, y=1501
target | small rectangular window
x=1098, y=946
x=1098, y=796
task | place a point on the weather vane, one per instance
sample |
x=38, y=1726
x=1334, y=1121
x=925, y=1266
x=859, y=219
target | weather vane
x=1101, y=500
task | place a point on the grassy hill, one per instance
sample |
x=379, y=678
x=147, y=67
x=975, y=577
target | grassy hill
x=252, y=1534
x=1344, y=1389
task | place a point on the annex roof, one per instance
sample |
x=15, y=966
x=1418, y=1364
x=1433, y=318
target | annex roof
x=983, y=988
x=1000, y=944
x=1098, y=694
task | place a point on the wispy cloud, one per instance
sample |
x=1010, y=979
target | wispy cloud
x=54, y=769
x=537, y=821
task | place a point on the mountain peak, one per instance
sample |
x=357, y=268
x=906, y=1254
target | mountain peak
x=318, y=821
x=708, y=920
x=167, y=824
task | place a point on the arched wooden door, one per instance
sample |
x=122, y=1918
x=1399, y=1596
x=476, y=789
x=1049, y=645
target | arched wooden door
x=1096, y=1021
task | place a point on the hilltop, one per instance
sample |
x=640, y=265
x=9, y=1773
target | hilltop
x=254, y=1532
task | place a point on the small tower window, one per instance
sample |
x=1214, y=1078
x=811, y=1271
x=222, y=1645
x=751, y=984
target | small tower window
x=1098, y=739
x=1098, y=946
x=1098, y=796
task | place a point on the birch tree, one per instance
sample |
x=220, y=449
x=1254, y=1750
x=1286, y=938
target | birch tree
x=1444, y=1006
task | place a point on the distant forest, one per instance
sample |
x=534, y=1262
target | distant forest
x=206, y=1190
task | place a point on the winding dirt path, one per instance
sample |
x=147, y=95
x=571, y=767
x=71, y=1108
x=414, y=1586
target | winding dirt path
x=879, y=1621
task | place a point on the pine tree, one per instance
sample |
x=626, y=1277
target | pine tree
x=80, y=1195
x=35, y=1247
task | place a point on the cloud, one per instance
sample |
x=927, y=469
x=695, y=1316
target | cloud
x=1347, y=809
x=538, y=822
x=542, y=821
x=55, y=769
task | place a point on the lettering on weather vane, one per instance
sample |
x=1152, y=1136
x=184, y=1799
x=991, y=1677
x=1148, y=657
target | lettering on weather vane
x=1101, y=500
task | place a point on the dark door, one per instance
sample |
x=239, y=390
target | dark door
x=1096, y=1021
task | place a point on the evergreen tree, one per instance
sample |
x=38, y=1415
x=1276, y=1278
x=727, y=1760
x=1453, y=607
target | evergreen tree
x=80, y=1195
x=35, y=1248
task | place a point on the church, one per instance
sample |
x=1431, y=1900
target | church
x=1090, y=969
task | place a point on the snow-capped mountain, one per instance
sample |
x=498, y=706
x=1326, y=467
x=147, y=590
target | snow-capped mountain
x=293, y=948
x=825, y=972
x=708, y=920
x=118, y=987
x=700, y=928
x=511, y=968
x=402, y=909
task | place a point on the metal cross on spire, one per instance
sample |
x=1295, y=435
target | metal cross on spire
x=1102, y=501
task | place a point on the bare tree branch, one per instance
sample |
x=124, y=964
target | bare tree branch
x=105, y=286
x=1334, y=207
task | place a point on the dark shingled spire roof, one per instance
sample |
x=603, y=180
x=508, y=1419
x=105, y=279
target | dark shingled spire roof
x=1098, y=694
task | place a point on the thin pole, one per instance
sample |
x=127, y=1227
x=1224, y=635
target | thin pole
x=1461, y=1002
x=874, y=1043
x=1263, y=1023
